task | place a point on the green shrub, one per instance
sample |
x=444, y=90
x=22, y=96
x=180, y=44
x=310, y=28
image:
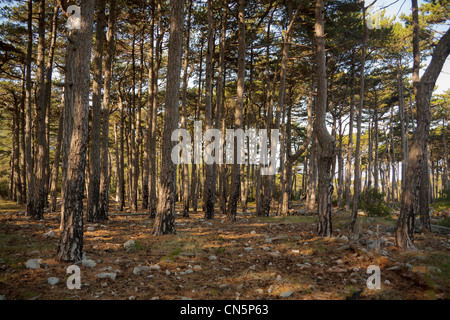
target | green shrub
x=372, y=202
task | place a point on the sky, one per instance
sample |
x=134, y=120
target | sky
x=395, y=9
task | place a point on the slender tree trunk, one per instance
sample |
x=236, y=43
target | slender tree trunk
x=326, y=142
x=71, y=242
x=55, y=168
x=348, y=175
x=92, y=212
x=48, y=89
x=357, y=184
x=16, y=151
x=148, y=134
x=41, y=110
x=235, y=173
x=165, y=215
x=185, y=166
x=220, y=108
x=105, y=176
x=376, y=161
x=153, y=160
x=210, y=190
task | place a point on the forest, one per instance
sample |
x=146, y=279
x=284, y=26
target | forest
x=224, y=149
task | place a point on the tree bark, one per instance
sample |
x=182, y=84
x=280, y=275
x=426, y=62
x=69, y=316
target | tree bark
x=165, y=215
x=404, y=235
x=326, y=142
x=357, y=182
x=92, y=213
x=41, y=110
x=235, y=173
x=71, y=242
x=210, y=190
x=55, y=168
x=105, y=176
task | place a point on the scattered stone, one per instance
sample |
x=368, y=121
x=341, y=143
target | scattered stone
x=393, y=268
x=88, y=263
x=286, y=294
x=197, y=268
x=278, y=278
x=106, y=275
x=186, y=298
x=212, y=258
x=311, y=287
x=296, y=251
x=275, y=254
x=339, y=261
x=33, y=264
x=188, y=271
x=266, y=248
x=104, y=284
x=224, y=286
x=253, y=232
x=155, y=298
x=107, y=269
x=131, y=298
x=52, y=281
x=50, y=234
x=239, y=287
x=2, y=297
x=387, y=282
x=168, y=272
x=129, y=245
x=226, y=269
x=91, y=229
x=270, y=290
x=248, y=248
x=155, y=267
x=137, y=270
x=253, y=267
x=259, y=291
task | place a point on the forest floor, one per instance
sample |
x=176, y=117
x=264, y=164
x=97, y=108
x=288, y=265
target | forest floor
x=253, y=258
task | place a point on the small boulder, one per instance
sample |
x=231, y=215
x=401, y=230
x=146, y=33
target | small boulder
x=52, y=281
x=33, y=264
x=129, y=245
x=286, y=294
x=106, y=275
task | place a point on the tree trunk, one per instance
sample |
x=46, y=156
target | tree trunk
x=326, y=142
x=165, y=215
x=404, y=236
x=105, y=176
x=152, y=159
x=348, y=175
x=41, y=110
x=55, y=168
x=92, y=213
x=357, y=183
x=210, y=190
x=71, y=242
x=235, y=173
x=185, y=166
